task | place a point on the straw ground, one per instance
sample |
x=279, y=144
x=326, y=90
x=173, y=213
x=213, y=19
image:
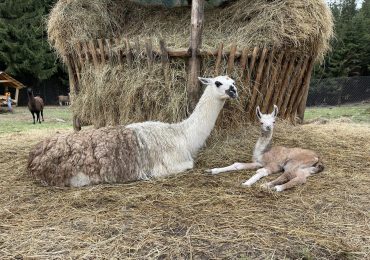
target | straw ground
x=194, y=215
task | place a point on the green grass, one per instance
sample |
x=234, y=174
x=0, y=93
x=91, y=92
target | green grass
x=21, y=119
x=359, y=113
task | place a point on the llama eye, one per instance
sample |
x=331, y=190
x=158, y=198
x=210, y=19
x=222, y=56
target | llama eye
x=218, y=83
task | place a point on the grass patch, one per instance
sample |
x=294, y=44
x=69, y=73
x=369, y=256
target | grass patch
x=21, y=120
x=359, y=113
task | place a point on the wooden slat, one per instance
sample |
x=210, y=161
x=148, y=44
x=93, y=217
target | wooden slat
x=244, y=61
x=102, y=51
x=108, y=44
x=285, y=84
x=275, y=96
x=93, y=53
x=79, y=54
x=128, y=52
x=271, y=85
x=118, y=50
x=251, y=65
x=230, y=64
x=298, y=88
x=256, y=85
x=164, y=60
x=196, y=29
x=149, y=52
x=218, y=59
x=265, y=80
x=137, y=48
x=292, y=86
x=301, y=104
x=85, y=50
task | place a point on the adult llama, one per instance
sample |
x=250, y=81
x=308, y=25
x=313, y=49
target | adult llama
x=134, y=152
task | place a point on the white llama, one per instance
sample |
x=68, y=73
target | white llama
x=296, y=163
x=132, y=152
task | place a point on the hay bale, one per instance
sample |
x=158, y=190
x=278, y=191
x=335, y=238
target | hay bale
x=119, y=95
x=303, y=24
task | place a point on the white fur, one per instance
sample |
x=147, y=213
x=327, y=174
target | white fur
x=172, y=147
x=80, y=180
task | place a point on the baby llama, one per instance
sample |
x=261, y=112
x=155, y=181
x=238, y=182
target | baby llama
x=297, y=163
x=134, y=152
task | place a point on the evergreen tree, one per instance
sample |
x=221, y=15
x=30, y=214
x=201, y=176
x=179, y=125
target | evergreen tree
x=24, y=50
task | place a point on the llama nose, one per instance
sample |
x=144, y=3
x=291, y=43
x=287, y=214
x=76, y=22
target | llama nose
x=268, y=128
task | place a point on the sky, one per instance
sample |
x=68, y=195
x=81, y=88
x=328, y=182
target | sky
x=358, y=2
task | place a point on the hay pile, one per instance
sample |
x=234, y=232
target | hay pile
x=137, y=94
x=303, y=24
x=194, y=215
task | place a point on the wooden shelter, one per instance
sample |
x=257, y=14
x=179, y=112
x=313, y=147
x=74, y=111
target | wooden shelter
x=270, y=66
x=9, y=81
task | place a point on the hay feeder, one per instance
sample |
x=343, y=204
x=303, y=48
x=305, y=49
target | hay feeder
x=129, y=62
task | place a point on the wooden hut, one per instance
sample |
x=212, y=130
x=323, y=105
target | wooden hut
x=8, y=81
x=130, y=61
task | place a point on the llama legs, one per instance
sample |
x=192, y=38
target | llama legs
x=33, y=116
x=235, y=167
x=290, y=184
x=285, y=177
x=260, y=173
x=42, y=115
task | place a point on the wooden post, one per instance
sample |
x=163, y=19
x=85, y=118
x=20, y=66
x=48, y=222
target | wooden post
x=197, y=17
x=74, y=86
x=16, y=95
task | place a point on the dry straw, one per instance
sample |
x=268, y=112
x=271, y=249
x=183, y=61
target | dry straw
x=193, y=215
x=120, y=94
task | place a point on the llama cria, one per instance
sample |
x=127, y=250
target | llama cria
x=35, y=105
x=133, y=152
x=296, y=163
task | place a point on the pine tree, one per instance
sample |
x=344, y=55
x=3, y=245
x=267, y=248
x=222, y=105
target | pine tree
x=23, y=48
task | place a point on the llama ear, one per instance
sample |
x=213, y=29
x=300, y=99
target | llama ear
x=205, y=81
x=276, y=110
x=258, y=112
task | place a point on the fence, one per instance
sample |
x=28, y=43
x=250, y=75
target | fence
x=336, y=91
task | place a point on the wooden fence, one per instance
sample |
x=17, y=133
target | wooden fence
x=273, y=76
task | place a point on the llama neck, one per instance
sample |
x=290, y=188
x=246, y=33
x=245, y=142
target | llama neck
x=199, y=125
x=31, y=98
x=263, y=145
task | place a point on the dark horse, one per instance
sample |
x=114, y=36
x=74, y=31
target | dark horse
x=35, y=105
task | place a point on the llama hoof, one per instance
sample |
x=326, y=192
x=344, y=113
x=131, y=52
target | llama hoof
x=247, y=184
x=278, y=188
x=209, y=171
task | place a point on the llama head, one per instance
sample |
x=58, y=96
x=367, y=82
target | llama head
x=222, y=86
x=267, y=120
x=29, y=91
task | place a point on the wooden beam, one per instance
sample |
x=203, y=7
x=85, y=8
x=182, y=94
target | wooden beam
x=196, y=29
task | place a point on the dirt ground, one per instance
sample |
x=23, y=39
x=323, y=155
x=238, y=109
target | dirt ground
x=194, y=215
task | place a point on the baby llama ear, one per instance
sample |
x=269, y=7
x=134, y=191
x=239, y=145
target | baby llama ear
x=276, y=110
x=258, y=112
x=205, y=81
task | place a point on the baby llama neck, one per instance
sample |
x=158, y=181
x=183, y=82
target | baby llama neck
x=263, y=144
